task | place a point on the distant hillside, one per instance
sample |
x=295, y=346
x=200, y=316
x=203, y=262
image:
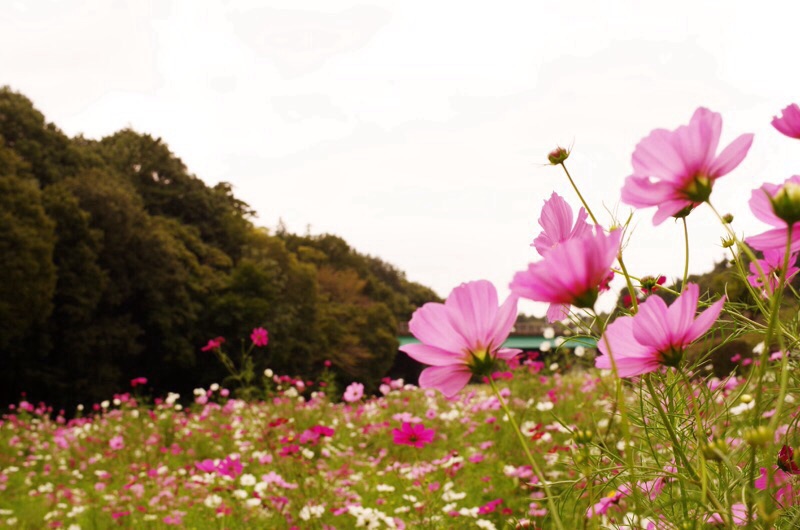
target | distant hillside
x=117, y=262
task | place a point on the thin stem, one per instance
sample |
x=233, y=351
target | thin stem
x=548, y=494
x=680, y=455
x=588, y=210
x=686, y=263
x=631, y=290
x=785, y=354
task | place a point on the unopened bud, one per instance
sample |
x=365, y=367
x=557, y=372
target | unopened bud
x=558, y=155
x=727, y=242
x=759, y=436
x=583, y=437
x=746, y=398
x=727, y=218
x=715, y=449
x=786, y=203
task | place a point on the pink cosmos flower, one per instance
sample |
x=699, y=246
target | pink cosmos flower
x=657, y=335
x=463, y=335
x=413, y=434
x=138, y=381
x=571, y=273
x=774, y=204
x=260, y=337
x=116, y=443
x=789, y=122
x=771, y=265
x=213, y=344
x=675, y=170
x=556, y=222
x=353, y=393
x=739, y=512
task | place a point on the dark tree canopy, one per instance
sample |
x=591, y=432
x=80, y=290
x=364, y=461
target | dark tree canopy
x=116, y=262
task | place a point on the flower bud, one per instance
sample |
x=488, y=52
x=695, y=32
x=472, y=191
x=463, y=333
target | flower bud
x=727, y=218
x=558, y=155
x=746, y=398
x=759, y=436
x=727, y=242
x=715, y=449
x=786, y=203
x=583, y=437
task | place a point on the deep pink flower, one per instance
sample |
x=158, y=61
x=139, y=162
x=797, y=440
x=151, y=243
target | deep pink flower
x=675, y=170
x=602, y=506
x=413, y=434
x=771, y=266
x=789, y=122
x=138, y=381
x=571, y=273
x=763, y=203
x=213, y=344
x=354, y=392
x=463, y=335
x=260, y=337
x=657, y=335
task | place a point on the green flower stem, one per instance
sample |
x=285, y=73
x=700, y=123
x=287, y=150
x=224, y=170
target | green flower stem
x=686, y=262
x=583, y=201
x=548, y=494
x=785, y=355
x=680, y=456
x=631, y=290
x=619, y=403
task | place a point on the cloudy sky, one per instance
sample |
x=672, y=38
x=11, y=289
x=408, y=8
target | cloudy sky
x=418, y=130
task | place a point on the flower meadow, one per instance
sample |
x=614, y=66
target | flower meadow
x=684, y=417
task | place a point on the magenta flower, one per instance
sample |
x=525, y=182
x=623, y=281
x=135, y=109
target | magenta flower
x=260, y=337
x=571, y=273
x=413, y=434
x=462, y=336
x=657, y=335
x=771, y=266
x=353, y=393
x=556, y=223
x=789, y=122
x=675, y=170
x=136, y=381
x=777, y=205
x=213, y=344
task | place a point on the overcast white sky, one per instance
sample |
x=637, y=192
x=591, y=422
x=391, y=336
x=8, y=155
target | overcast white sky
x=418, y=130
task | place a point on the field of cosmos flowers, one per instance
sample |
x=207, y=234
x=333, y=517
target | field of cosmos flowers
x=654, y=430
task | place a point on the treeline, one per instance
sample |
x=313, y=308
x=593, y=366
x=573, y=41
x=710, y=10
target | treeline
x=116, y=262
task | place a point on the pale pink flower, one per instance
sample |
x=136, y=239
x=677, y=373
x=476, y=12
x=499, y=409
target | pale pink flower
x=739, y=512
x=763, y=202
x=556, y=223
x=116, y=443
x=657, y=335
x=771, y=265
x=260, y=337
x=353, y=393
x=675, y=170
x=789, y=122
x=571, y=273
x=461, y=336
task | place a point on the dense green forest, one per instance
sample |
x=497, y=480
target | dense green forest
x=116, y=262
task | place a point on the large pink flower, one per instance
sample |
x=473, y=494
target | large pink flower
x=763, y=203
x=675, y=170
x=789, y=122
x=461, y=336
x=657, y=335
x=571, y=273
x=557, y=227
